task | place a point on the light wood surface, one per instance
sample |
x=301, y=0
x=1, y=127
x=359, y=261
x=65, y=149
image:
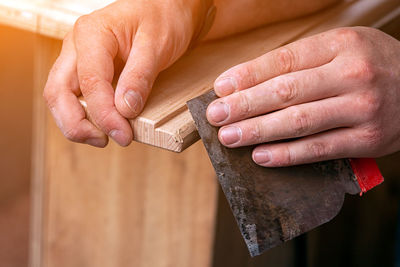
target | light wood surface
x=52, y=18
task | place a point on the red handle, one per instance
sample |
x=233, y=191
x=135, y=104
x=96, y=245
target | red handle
x=367, y=173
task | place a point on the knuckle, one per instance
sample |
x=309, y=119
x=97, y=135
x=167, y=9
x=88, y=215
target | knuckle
x=369, y=105
x=249, y=73
x=91, y=19
x=285, y=60
x=350, y=36
x=300, y=121
x=372, y=136
x=90, y=22
x=245, y=108
x=286, y=89
x=89, y=84
x=104, y=118
x=244, y=74
x=319, y=150
x=142, y=79
x=361, y=70
x=255, y=134
x=286, y=158
x=82, y=23
x=72, y=134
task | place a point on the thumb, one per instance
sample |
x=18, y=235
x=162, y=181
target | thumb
x=136, y=79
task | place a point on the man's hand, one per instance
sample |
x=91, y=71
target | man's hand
x=333, y=95
x=146, y=35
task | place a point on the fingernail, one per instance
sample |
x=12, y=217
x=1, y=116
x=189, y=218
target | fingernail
x=262, y=157
x=134, y=101
x=119, y=137
x=218, y=112
x=231, y=135
x=225, y=86
x=97, y=142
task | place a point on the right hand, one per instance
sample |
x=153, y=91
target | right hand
x=148, y=36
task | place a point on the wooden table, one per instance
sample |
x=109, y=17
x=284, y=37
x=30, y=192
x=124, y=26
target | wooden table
x=141, y=205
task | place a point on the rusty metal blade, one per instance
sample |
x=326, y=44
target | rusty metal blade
x=273, y=205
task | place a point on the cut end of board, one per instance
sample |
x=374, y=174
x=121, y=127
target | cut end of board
x=175, y=135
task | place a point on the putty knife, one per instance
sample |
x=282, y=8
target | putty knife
x=274, y=205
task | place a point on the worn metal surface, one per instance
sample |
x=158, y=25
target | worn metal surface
x=273, y=205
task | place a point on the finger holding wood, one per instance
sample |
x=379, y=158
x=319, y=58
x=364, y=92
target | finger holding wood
x=289, y=58
x=353, y=95
x=61, y=93
x=277, y=93
x=292, y=122
x=95, y=68
x=147, y=36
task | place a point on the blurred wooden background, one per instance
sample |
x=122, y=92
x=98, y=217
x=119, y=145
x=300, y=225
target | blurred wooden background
x=16, y=79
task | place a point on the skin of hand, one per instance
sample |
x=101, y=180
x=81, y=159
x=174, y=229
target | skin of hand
x=148, y=36
x=332, y=95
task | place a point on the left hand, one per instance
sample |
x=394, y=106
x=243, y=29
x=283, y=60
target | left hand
x=333, y=95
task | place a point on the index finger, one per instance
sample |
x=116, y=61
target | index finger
x=310, y=52
x=96, y=50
